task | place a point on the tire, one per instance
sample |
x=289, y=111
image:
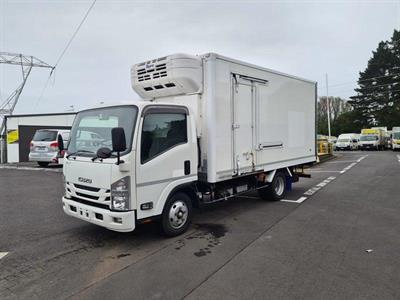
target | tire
x=177, y=215
x=43, y=164
x=276, y=190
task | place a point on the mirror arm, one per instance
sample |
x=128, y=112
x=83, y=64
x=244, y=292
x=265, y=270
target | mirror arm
x=119, y=161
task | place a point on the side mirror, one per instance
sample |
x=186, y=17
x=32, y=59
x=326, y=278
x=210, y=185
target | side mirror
x=118, y=139
x=118, y=142
x=60, y=143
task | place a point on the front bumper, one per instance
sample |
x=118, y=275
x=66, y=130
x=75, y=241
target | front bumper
x=43, y=157
x=117, y=221
x=343, y=148
x=368, y=146
x=395, y=146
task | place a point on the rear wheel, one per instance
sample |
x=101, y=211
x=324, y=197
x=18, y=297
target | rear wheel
x=43, y=164
x=276, y=190
x=177, y=215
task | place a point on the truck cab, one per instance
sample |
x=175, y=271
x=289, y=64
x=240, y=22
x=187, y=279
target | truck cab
x=370, y=142
x=396, y=140
x=117, y=188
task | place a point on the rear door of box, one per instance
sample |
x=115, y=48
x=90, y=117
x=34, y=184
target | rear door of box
x=243, y=124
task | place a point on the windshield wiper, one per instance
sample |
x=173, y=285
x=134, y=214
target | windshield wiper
x=79, y=151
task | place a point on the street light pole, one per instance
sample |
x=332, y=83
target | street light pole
x=328, y=107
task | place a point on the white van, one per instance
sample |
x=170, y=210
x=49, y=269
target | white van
x=347, y=141
x=44, y=147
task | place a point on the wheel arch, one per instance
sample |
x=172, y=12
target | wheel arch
x=187, y=188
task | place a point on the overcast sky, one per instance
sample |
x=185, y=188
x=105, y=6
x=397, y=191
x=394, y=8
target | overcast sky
x=303, y=38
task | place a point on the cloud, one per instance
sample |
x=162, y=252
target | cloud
x=303, y=38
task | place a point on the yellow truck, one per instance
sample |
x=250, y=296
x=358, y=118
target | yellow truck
x=395, y=138
x=372, y=139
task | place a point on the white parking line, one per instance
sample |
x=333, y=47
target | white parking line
x=320, y=185
x=301, y=199
x=340, y=161
x=323, y=171
x=2, y=254
x=352, y=164
x=348, y=168
x=30, y=169
x=361, y=158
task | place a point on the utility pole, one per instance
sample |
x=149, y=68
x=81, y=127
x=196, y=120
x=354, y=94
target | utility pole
x=7, y=107
x=328, y=107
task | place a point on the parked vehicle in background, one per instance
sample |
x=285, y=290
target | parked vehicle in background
x=386, y=136
x=372, y=139
x=347, y=141
x=396, y=138
x=332, y=140
x=44, y=147
x=209, y=128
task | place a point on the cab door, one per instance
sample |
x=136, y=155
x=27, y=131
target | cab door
x=166, y=156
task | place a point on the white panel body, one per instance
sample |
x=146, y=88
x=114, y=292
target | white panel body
x=280, y=113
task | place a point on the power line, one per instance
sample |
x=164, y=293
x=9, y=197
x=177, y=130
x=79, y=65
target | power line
x=75, y=33
x=65, y=50
x=362, y=80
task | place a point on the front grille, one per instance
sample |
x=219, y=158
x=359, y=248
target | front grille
x=88, y=188
x=87, y=196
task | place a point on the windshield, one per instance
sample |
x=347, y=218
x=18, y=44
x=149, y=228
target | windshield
x=368, y=138
x=45, y=135
x=343, y=140
x=396, y=135
x=92, y=129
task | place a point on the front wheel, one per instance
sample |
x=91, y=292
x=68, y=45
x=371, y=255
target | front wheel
x=276, y=190
x=177, y=215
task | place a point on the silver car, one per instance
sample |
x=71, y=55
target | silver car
x=44, y=146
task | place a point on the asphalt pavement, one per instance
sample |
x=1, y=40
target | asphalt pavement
x=334, y=236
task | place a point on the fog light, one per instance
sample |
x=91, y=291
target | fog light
x=117, y=220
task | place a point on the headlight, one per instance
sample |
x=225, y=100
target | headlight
x=120, y=194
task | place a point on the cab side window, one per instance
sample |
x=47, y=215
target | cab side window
x=161, y=132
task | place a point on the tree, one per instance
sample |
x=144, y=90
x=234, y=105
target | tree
x=337, y=107
x=378, y=94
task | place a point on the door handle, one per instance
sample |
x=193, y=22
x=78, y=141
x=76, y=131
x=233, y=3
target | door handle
x=186, y=166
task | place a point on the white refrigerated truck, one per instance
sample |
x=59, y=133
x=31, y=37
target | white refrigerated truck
x=207, y=128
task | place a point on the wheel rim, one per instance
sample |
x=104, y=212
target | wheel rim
x=279, y=186
x=178, y=214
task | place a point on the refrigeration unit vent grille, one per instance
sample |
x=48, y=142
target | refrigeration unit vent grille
x=152, y=72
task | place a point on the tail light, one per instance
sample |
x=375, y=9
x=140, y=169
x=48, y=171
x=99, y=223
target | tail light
x=54, y=146
x=31, y=146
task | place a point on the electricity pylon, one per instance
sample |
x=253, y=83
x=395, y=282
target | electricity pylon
x=26, y=63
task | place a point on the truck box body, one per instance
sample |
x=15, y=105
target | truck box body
x=249, y=118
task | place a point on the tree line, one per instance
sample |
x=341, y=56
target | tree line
x=377, y=97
